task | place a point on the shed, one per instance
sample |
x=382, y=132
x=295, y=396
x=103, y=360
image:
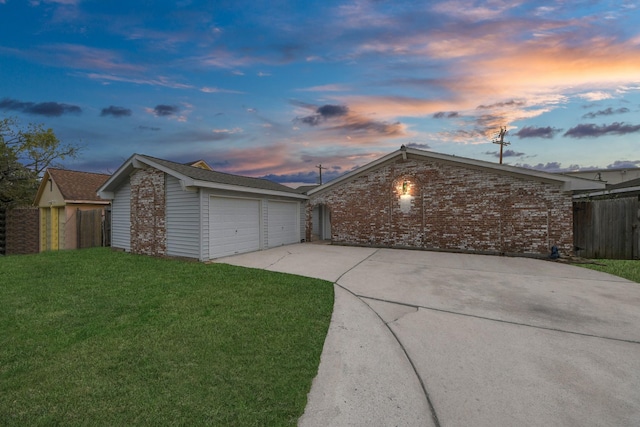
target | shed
x=164, y=208
x=420, y=199
x=62, y=194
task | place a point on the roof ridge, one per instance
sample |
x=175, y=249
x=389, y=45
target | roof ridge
x=211, y=171
x=77, y=171
x=217, y=176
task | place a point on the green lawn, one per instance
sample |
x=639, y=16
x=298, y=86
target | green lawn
x=97, y=337
x=629, y=269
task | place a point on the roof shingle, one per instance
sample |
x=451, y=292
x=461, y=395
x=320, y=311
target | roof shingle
x=75, y=185
x=221, y=177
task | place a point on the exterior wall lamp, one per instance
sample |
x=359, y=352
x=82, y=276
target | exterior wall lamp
x=405, y=187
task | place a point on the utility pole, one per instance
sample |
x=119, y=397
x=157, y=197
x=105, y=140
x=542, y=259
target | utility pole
x=320, y=169
x=499, y=139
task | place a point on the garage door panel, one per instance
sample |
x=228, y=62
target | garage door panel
x=283, y=223
x=234, y=226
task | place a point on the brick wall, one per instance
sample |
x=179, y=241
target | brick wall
x=448, y=207
x=22, y=231
x=148, y=217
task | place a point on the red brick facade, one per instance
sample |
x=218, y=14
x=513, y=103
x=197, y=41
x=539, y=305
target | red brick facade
x=148, y=218
x=448, y=206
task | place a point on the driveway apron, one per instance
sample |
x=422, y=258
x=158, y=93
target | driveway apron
x=440, y=339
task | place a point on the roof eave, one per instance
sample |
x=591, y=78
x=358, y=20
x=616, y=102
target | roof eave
x=243, y=189
x=106, y=190
x=353, y=173
x=568, y=183
x=607, y=192
x=43, y=182
x=87, y=202
x=137, y=161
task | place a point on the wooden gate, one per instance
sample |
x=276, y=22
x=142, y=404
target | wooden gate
x=89, y=228
x=608, y=229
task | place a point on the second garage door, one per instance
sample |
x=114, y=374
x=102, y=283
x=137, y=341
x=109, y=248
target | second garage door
x=283, y=223
x=234, y=226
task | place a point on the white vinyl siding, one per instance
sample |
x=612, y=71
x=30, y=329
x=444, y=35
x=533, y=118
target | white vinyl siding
x=183, y=220
x=283, y=223
x=234, y=226
x=121, y=218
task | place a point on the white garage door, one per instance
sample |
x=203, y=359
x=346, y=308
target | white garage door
x=283, y=223
x=234, y=226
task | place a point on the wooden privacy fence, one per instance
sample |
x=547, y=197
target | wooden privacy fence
x=93, y=228
x=3, y=231
x=608, y=229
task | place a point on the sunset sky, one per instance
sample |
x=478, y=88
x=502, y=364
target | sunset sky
x=274, y=88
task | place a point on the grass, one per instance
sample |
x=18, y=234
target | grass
x=628, y=269
x=97, y=337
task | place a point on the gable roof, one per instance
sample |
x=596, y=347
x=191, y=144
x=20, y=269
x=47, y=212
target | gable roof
x=568, y=183
x=195, y=177
x=75, y=186
x=200, y=164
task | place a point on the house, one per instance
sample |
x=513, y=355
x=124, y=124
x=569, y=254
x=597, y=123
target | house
x=62, y=194
x=413, y=198
x=164, y=208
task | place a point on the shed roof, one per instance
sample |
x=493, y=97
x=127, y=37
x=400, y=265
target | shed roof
x=568, y=183
x=75, y=186
x=191, y=176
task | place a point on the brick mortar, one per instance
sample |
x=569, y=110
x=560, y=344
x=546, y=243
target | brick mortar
x=450, y=208
x=148, y=212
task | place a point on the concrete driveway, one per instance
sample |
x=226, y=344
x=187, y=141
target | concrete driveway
x=439, y=339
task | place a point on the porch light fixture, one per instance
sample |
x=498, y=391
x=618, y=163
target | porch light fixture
x=405, y=187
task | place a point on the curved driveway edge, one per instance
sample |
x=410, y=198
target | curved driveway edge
x=364, y=378
x=495, y=341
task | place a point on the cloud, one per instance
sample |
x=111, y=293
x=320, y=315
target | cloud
x=326, y=88
x=607, y=112
x=301, y=177
x=114, y=111
x=546, y=167
x=505, y=153
x=151, y=128
x=208, y=89
x=624, y=164
x=547, y=132
x=343, y=120
x=324, y=113
x=361, y=124
x=591, y=130
x=82, y=57
x=443, y=115
x=556, y=167
x=228, y=131
x=163, y=110
x=511, y=103
x=595, y=96
x=418, y=146
x=49, y=109
x=159, y=81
